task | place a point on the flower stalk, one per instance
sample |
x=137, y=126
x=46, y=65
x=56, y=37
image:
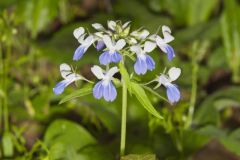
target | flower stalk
x=124, y=118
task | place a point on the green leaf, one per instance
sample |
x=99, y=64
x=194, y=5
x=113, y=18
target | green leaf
x=231, y=145
x=95, y=152
x=193, y=140
x=235, y=134
x=125, y=77
x=139, y=157
x=107, y=116
x=7, y=144
x=61, y=151
x=200, y=10
x=232, y=141
x=78, y=93
x=205, y=31
x=140, y=94
x=225, y=103
x=208, y=106
x=68, y=134
x=37, y=14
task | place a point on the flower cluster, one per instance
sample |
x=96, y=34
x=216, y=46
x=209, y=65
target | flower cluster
x=115, y=43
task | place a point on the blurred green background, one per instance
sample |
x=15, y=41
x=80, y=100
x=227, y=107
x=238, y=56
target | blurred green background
x=36, y=36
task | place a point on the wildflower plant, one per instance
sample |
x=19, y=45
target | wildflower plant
x=116, y=43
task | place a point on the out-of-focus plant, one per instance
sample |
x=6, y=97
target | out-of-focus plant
x=37, y=15
x=14, y=42
x=186, y=12
x=6, y=41
x=120, y=46
x=230, y=24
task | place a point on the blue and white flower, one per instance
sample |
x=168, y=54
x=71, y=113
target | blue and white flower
x=173, y=92
x=144, y=62
x=69, y=77
x=112, y=52
x=105, y=87
x=163, y=42
x=84, y=43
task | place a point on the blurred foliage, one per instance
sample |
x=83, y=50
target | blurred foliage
x=36, y=36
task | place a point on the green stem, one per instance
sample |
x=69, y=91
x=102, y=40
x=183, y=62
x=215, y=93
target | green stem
x=193, y=96
x=193, y=90
x=124, y=118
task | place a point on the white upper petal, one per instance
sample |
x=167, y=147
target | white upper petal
x=78, y=32
x=166, y=29
x=81, y=38
x=161, y=44
x=167, y=34
x=98, y=26
x=111, y=72
x=67, y=73
x=65, y=70
x=163, y=79
x=120, y=44
x=144, y=34
x=174, y=73
x=149, y=46
x=108, y=42
x=73, y=77
x=136, y=49
x=97, y=71
x=89, y=40
x=159, y=40
x=111, y=25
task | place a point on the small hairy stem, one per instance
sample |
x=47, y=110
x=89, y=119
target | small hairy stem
x=124, y=118
x=85, y=79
